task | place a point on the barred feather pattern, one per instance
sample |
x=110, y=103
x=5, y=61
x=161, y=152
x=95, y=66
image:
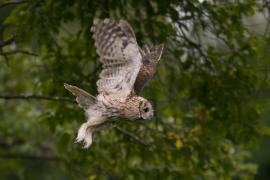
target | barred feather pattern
x=150, y=57
x=110, y=107
x=123, y=63
x=113, y=107
x=119, y=53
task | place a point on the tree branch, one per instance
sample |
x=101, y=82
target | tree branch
x=7, y=42
x=18, y=52
x=12, y=3
x=130, y=135
x=198, y=47
x=35, y=96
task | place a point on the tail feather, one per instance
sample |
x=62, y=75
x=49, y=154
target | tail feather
x=83, y=98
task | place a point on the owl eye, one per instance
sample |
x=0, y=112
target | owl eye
x=145, y=109
x=146, y=62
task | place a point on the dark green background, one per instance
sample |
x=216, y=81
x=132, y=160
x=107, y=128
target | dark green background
x=210, y=93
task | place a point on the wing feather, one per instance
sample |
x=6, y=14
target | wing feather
x=150, y=57
x=120, y=55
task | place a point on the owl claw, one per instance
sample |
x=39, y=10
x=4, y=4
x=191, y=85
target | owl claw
x=87, y=141
x=86, y=145
x=77, y=141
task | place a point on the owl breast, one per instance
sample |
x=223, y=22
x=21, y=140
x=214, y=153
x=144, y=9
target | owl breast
x=131, y=110
x=111, y=106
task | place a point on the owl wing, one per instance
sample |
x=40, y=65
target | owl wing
x=120, y=55
x=150, y=58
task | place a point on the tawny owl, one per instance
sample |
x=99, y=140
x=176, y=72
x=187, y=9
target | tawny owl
x=126, y=69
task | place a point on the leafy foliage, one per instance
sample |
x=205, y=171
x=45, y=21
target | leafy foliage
x=210, y=91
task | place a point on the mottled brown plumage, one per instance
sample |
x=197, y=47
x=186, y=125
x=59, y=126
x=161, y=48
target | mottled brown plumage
x=123, y=64
x=150, y=58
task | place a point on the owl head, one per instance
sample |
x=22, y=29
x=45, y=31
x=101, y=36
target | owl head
x=146, y=109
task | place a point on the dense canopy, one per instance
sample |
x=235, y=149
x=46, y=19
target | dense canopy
x=210, y=93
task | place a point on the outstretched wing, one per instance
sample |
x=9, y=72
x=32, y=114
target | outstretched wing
x=117, y=47
x=150, y=58
x=83, y=98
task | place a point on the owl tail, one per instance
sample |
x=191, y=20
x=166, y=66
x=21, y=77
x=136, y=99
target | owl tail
x=83, y=98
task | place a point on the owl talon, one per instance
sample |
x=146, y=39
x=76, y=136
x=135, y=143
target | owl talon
x=84, y=135
x=78, y=141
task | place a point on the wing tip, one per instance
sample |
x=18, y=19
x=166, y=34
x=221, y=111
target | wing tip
x=98, y=21
x=149, y=49
x=160, y=46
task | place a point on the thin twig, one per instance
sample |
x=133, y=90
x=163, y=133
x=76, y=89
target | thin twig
x=18, y=52
x=130, y=135
x=7, y=42
x=12, y=3
x=198, y=47
x=35, y=96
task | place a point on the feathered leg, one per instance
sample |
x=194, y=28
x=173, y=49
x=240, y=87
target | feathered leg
x=86, y=130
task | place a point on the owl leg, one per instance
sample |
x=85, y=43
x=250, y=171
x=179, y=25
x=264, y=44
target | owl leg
x=86, y=130
x=84, y=135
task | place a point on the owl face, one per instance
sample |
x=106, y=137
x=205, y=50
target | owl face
x=146, y=109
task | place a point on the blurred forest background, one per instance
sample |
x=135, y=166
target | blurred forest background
x=211, y=92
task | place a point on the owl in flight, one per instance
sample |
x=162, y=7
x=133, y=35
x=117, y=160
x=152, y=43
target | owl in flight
x=126, y=69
